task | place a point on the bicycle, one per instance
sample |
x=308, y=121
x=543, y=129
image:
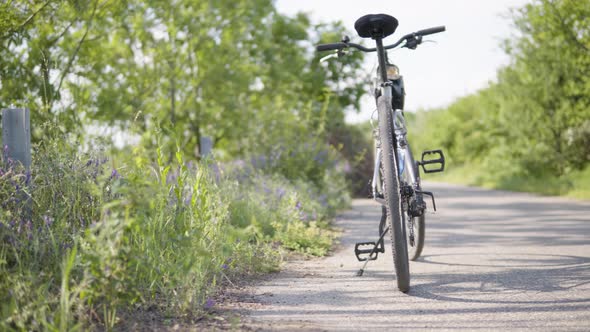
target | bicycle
x=396, y=177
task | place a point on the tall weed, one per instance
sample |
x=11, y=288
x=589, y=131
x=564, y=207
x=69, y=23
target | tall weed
x=85, y=237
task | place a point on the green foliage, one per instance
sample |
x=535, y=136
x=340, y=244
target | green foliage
x=44, y=213
x=355, y=144
x=530, y=130
x=274, y=209
x=549, y=68
x=199, y=68
x=89, y=232
x=84, y=237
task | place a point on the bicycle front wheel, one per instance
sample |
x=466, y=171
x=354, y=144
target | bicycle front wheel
x=390, y=180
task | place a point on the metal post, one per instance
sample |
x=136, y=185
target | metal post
x=16, y=135
x=206, y=146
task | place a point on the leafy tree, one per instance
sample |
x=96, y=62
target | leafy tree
x=225, y=69
x=40, y=44
x=546, y=90
x=535, y=120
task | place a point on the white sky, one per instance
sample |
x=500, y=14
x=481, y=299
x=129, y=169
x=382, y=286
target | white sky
x=464, y=59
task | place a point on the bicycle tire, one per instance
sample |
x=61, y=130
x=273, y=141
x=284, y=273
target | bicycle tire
x=419, y=225
x=391, y=193
x=414, y=251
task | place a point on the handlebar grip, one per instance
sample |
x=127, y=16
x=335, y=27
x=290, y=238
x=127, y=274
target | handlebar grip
x=329, y=47
x=430, y=31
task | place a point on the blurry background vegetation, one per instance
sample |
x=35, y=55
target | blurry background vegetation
x=101, y=227
x=119, y=213
x=529, y=130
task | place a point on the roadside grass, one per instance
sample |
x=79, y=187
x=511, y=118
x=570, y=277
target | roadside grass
x=85, y=237
x=576, y=184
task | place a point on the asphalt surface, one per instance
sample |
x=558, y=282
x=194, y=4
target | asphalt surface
x=493, y=261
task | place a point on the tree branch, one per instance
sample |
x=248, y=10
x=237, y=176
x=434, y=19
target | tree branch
x=73, y=57
x=54, y=40
x=32, y=16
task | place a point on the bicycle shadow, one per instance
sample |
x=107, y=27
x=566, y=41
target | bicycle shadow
x=552, y=279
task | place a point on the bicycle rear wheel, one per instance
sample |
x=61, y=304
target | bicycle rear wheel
x=419, y=229
x=390, y=179
x=414, y=225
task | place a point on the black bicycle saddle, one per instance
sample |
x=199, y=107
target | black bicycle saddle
x=376, y=25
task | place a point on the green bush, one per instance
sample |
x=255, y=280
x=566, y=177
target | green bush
x=529, y=131
x=273, y=209
x=84, y=237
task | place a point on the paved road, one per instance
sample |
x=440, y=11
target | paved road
x=493, y=260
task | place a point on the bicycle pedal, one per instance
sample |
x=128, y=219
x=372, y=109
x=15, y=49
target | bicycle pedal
x=437, y=164
x=371, y=250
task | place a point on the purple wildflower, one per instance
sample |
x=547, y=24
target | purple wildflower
x=298, y=205
x=225, y=266
x=209, y=304
x=171, y=178
x=346, y=167
x=115, y=174
x=48, y=221
x=320, y=157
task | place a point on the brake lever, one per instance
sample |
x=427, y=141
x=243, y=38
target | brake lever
x=337, y=54
x=413, y=42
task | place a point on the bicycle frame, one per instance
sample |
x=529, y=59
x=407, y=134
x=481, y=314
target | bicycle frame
x=404, y=153
x=401, y=146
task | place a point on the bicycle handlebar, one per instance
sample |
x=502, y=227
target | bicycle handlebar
x=329, y=47
x=342, y=45
x=431, y=31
